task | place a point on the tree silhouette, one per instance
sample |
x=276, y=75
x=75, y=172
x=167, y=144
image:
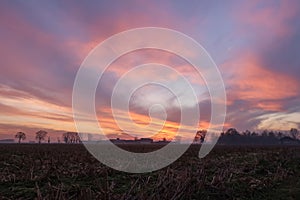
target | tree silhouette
x=294, y=133
x=279, y=134
x=271, y=134
x=200, y=136
x=40, y=135
x=264, y=133
x=232, y=131
x=232, y=137
x=20, y=136
x=247, y=133
x=71, y=137
x=254, y=134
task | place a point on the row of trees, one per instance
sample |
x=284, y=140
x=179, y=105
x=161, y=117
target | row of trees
x=232, y=136
x=68, y=137
x=40, y=135
x=71, y=137
x=293, y=133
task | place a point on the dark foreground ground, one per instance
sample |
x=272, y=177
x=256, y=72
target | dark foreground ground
x=70, y=172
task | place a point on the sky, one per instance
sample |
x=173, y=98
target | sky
x=255, y=45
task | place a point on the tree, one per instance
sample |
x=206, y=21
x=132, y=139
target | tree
x=200, y=136
x=71, y=137
x=40, y=135
x=246, y=133
x=254, y=134
x=20, y=136
x=232, y=131
x=279, y=135
x=264, y=133
x=271, y=134
x=294, y=133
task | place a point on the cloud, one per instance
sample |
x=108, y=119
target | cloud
x=261, y=76
x=255, y=44
x=252, y=81
x=279, y=121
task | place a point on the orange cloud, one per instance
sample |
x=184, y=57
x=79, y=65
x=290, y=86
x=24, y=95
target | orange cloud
x=252, y=82
x=22, y=109
x=135, y=124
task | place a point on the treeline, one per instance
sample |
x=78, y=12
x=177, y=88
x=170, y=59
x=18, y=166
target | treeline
x=232, y=136
x=41, y=135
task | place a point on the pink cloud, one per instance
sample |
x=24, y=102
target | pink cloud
x=251, y=81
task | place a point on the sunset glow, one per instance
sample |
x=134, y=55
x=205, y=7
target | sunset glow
x=255, y=44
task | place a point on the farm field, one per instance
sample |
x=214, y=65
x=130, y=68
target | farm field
x=61, y=171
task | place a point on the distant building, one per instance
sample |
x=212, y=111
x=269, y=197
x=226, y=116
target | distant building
x=146, y=140
x=7, y=141
x=117, y=141
x=164, y=141
x=135, y=141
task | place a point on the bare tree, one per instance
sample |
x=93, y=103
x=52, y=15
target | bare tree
x=294, y=133
x=40, y=135
x=232, y=131
x=246, y=133
x=254, y=134
x=279, y=135
x=271, y=134
x=20, y=136
x=200, y=135
x=264, y=133
x=71, y=137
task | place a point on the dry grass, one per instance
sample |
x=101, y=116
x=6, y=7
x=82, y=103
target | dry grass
x=70, y=172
